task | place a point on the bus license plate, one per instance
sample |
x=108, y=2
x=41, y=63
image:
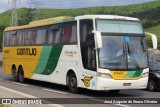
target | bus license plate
x=126, y=84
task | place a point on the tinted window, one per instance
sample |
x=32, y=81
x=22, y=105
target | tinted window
x=69, y=33
x=41, y=36
x=66, y=33
x=20, y=38
x=13, y=38
x=74, y=34
x=54, y=35
x=6, y=38
x=30, y=37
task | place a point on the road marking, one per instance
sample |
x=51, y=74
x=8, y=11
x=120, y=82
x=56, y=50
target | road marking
x=19, y=84
x=59, y=92
x=0, y=79
x=24, y=95
x=97, y=100
x=122, y=105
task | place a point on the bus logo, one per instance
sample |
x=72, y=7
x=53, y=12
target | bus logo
x=87, y=80
x=27, y=51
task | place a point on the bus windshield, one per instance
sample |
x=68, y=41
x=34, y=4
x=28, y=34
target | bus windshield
x=119, y=26
x=122, y=51
x=118, y=54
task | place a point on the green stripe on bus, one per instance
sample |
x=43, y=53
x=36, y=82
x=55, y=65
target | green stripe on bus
x=138, y=73
x=133, y=74
x=69, y=19
x=42, y=63
x=64, y=20
x=53, y=59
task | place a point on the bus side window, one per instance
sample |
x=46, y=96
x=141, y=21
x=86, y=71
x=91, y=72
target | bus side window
x=20, y=38
x=6, y=38
x=57, y=36
x=41, y=36
x=30, y=37
x=66, y=34
x=73, y=38
x=13, y=38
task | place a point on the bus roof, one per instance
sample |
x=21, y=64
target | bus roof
x=116, y=17
x=67, y=19
x=43, y=22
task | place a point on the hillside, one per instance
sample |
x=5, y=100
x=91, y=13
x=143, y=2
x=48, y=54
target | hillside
x=148, y=12
x=155, y=30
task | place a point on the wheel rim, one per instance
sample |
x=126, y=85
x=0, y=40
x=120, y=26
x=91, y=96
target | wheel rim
x=150, y=86
x=73, y=83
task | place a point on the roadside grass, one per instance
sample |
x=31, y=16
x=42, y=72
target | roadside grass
x=155, y=30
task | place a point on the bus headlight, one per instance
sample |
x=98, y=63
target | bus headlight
x=104, y=75
x=144, y=75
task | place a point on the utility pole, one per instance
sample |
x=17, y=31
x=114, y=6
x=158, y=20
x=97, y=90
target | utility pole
x=37, y=5
x=14, y=21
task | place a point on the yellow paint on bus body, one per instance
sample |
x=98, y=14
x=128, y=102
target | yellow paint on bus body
x=25, y=56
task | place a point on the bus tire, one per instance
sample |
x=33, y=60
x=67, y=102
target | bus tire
x=21, y=75
x=15, y=74
x=73, y=83
x=151, y=85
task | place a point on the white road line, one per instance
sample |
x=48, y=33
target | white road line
x=59, y=92
x=0, y=79
x=122, y=105
x=97, y=100
x=19, y=84
x=26, y=95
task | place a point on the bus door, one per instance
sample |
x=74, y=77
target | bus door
x=88, y=54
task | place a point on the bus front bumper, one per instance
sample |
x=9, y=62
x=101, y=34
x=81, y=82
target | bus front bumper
x=111, y=84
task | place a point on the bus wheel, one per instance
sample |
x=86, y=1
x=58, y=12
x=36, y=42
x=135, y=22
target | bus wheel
x=151, y=85
x=73, y=83
x=21, y=75
x=15, y=75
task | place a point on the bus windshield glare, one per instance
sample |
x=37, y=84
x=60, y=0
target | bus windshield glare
x=121, y=51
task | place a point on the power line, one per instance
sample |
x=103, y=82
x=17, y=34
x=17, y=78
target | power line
x=37, y=5
x=14, y=21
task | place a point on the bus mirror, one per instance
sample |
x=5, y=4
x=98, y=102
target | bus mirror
x=154, y=39
x=98, y=39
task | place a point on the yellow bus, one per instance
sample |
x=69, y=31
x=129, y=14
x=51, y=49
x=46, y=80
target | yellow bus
x=96, y=52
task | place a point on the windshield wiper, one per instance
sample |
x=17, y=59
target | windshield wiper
x=134, y=59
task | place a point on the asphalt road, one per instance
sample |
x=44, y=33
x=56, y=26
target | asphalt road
x=49, y=90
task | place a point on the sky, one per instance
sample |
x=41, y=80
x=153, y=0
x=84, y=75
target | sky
x=63, y=4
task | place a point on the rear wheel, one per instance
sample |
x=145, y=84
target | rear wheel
x=73, y=83
x=151, y=85
x=21, y=75
x=15, y=75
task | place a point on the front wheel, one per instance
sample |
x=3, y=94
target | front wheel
x=73, y=83
x=151, y=85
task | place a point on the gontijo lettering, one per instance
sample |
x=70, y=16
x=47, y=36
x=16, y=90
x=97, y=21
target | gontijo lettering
x=26, y=51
